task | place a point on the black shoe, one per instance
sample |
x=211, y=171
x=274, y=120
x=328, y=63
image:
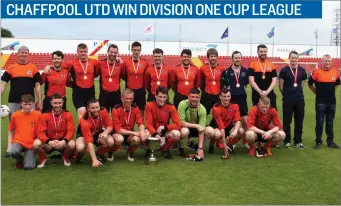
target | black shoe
x=333, y=145
x=7, y=155
x=211, y=149
x=182, y=152
x=101, y=158
x=56, y=156
x=147, y=154
x=166, y=154
x=79, y=159
x=191, y=144
x=318, y=146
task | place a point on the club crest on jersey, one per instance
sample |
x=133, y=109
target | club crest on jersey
x=243, y=74
x=164, y=71
x=62, y=75
x=231, y=74
x=333, y=78
x=165, y=111
x=269, y=68
x=140, y=65
x=217, y=71
x=29, y=73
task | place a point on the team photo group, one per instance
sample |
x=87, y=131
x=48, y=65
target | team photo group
x=134, y=106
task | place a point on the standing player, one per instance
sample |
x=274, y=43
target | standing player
x=94, y=128
x=227, y=123
x=111, y=71
x=156, y=75
x=210, y=80
x=184, y=77
x=22, y=133
x=134, y=72
x=260, y=128
x=291, y=82
x=55, y=81
x=157, y=116
x=25, y=78
x=124, y=117
x=55, y=132
x=193, y=121
x=323, y=83
x=236, y=78
x=263, y=77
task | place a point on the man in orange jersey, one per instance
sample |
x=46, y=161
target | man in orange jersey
x=156, y=75
x=125, y=116
x=94, y=128
x=184, y=77
x=55, y=81
x=24, y=77
x=210, y=80
x=111, y=71
x=263, y=77
x=134, y=73
x=323, y=83
x=22, y=133
x=158, y=114
x=55, y=132
x=226, y=123
x=263, y=126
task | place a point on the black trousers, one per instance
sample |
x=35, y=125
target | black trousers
x=271, y=95
x=293, y=108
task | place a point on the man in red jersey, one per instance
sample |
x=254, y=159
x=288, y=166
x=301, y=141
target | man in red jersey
x=226, y=123
x=263, y=125
x=55, y=132
x=156, y=75
x=210, y=80
x=134, y=73
x=111, y=71
x=55, y=81
x=184, y=77
x=157, y=116
x=94, y=128
x=124, y=117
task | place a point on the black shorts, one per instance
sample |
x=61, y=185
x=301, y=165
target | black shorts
x=140, y=98
x=47, y=104
x=151, y=97
x=81, y=96
x=272, y=97
x=94, y=136
x=109, y=100
x=227, y=129
x=208, y=100
x=178, y=98
x=260, y=139
x=193, y=132
x=242, y=103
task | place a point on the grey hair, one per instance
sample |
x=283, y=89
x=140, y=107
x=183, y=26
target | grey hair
x=23, y=48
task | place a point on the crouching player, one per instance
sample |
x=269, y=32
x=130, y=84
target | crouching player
x=55, y=132
x=260, y=128
x=227, y=123
x=124, y=117
x=158, y=114
x=94, y=128
x=22, y=133
x=193, y=121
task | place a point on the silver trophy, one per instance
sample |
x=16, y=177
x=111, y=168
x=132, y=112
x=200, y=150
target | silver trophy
x=153, y=145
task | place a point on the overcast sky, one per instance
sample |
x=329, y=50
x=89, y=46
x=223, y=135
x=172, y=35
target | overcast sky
x=297, y=31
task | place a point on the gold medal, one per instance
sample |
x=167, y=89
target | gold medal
x=237, y=85
x=214, y=83
x=263, y=77
x=158, y=82
x=110, y=80
x=186, y=82
x=295, y=85
x=85, y=77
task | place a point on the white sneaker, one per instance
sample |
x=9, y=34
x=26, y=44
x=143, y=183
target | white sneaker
x=287, y=145
x=111, y=157
x=42, y=164
x=67, y=162
x=131, y=157
x=246, y=145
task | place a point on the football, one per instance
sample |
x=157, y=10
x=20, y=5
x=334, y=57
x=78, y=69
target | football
x=4, y=111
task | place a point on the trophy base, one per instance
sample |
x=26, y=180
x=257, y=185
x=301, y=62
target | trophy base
x=151, y=160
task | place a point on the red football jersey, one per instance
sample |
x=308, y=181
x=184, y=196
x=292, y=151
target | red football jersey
x=262, y=121
x=225, y=116
x=126, y=119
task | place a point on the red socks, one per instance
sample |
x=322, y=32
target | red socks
x=102, y=150
x=169, y=144
x=131, y=148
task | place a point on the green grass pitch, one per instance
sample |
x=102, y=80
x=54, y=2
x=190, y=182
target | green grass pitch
x=290, y=176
